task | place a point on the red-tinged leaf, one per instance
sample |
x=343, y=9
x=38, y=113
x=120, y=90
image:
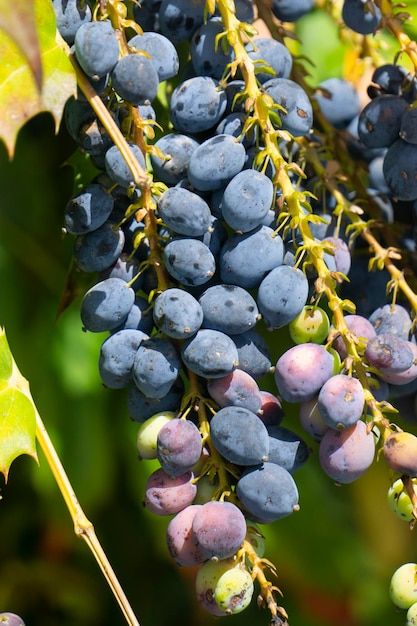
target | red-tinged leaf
x=17, y=411
x=20, y=98
x=17, y=20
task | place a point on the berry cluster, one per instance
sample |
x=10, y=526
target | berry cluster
x=209, y=236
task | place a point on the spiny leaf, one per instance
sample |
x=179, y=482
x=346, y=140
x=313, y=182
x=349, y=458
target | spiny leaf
x=17, y=411
x=20, y=98
x=6, y=360
x=17, y=20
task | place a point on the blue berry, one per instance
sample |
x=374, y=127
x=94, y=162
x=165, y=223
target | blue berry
x=96, y=48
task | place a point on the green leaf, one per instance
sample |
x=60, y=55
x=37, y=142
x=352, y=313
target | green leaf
x=6, y=359
x=17, y=411
x=321, y=44
x=20, y=98
x=17, y=19
x=83, y=169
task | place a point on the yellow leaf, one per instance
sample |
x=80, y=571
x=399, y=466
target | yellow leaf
x=17, y=411
x=20, y=97
x=17, y=20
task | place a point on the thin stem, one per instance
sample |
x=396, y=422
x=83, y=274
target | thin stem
x=139, y=176
x=155, y=257
x=267, y=589
x=393, y=22
x=82, y=526
x=216, y=462
x=396, y=274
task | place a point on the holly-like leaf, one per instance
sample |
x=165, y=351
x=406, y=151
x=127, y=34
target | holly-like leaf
x=17, y=19
x=20, y=98
x=17, y=411
x=6, y=359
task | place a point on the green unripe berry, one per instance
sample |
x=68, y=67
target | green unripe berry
x=147, y=436
x=399, y=501
x=337, y=362
x=411, y=619
x=206, y=580
x=312, y=324
x=403, y=586
x=234, y=590
x=206, y=488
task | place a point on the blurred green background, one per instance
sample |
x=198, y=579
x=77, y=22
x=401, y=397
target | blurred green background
x=334, y=557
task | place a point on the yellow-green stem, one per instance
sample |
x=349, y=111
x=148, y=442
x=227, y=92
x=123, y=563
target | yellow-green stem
x=267, y=589
x=139, y=176
x=393, y=23
x=155, y=259
x=82, y=526
x=216, y=460
x=396, y=274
